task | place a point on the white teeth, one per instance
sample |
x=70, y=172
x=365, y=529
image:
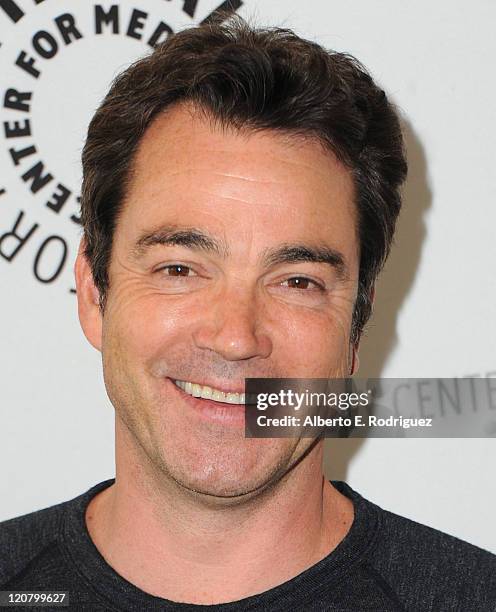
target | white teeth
x=218, y=396
x=207, y=392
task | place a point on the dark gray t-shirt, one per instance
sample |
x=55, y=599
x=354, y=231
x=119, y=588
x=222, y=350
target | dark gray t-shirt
x=385, y=563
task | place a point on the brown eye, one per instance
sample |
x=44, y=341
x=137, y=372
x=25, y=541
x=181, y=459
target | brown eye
x=301, y=282
x=298, y=283
x=177, y=270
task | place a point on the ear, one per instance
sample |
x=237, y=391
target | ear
x=88, y=299
x=372, y=295
x=355, y=360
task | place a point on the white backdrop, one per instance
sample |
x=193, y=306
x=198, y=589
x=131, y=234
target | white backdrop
x=435, y=302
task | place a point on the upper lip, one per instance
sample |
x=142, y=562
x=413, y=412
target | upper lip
x=226, y=387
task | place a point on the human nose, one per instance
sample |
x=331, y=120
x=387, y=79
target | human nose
x=232, y=326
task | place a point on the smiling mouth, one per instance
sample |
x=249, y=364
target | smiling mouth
x=210, y=393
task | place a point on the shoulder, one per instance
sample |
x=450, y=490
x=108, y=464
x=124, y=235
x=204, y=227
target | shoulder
x=420, y=567
x=427, y=543
x=24, y=538
x=428, y=564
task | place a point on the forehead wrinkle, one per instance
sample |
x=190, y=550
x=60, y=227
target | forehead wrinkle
x=246, y=178
x=226, y=175
x=244, y=199
x=221, y=174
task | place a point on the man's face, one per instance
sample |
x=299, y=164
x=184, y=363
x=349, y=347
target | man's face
x=235, y=256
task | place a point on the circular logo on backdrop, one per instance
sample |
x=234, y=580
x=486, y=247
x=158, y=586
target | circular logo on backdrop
x=57, y=61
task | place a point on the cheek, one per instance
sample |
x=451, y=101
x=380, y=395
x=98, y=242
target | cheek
x=313, y=343
x=142, y=324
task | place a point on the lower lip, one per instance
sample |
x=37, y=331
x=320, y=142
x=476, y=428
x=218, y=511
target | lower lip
x=210, y=410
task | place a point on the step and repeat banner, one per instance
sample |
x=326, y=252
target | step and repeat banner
x=435, y=306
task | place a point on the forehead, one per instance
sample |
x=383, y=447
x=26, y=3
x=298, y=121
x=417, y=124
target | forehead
x=188, y=165
x=189, y=140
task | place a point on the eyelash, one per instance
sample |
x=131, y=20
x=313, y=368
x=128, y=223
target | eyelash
x=176, y=266
x=317, y=285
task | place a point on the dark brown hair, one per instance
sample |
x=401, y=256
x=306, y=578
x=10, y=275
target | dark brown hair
x=253, y=78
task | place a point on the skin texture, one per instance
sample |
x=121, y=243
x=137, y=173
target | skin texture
x=201, y=492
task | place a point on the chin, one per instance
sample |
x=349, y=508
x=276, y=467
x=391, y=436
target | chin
x=236, y=475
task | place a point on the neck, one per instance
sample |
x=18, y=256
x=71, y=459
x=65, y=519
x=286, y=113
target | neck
x=211, y=553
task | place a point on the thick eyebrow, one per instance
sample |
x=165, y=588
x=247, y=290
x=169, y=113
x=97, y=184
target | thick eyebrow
x=196, y=239
x=190, y=237
x=295, y=253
